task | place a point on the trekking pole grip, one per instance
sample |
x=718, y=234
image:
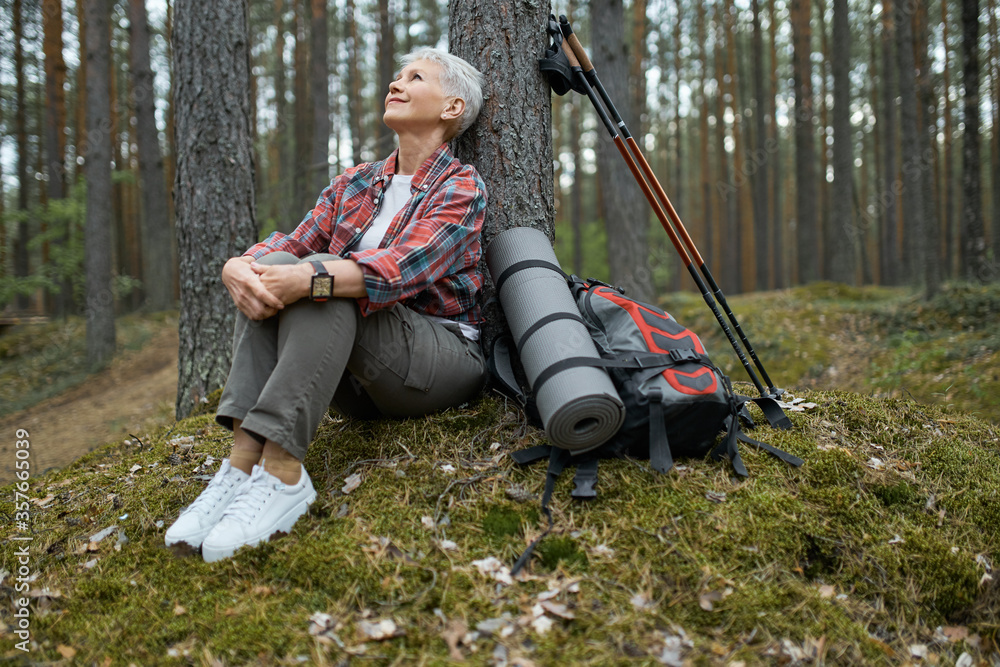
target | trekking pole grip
x=573, y=62
x=575, y=45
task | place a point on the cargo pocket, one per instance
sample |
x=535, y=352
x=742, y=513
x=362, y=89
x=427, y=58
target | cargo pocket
x=422, y=348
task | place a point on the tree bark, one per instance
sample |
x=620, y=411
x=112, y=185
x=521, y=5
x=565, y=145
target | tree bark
x=973, y=245
x=354, y=108
x=843, y=231
x=22, y=263
x=929, y=237
x=806, y=227
x=301, y=179
x=775, y=209
x=705, y=180
x=625, y=211
x=320, y=97
x=384, y=137
x=215, y=186
x=890, y=257
x=913, y=163
x=100, y=302
x=948, y=172
x=159, y=263
x=515, y=165
x=760, y=158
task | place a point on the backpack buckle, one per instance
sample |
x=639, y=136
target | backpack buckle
x=682, y=356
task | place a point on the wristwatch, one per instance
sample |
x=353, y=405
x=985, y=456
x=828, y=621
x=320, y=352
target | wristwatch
x=321, y=288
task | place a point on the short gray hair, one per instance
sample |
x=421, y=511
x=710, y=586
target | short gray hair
x=458, y=79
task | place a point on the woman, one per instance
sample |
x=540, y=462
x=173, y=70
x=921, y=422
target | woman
x=369, y=306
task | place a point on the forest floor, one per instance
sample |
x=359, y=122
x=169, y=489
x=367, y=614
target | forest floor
x=134, y=394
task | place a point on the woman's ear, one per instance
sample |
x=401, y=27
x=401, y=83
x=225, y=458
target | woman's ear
x=454, y=109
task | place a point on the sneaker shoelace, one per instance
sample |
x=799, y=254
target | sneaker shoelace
x=210, y=497
x=252, y=497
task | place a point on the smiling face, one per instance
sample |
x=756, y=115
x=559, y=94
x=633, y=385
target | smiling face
x=416, y=101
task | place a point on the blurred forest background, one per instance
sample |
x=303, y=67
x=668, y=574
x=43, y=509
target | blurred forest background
x=800, y=140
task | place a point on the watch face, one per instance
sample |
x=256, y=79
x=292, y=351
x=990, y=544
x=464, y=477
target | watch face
x=322, y=287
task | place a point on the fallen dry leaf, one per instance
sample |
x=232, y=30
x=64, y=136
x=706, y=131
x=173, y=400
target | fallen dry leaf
x=66, y=651
x=452, y=636
x=379, y=630
x=542, y=624
x=557, y=609
x=826, y=592
x=179, y=610
x=493, y=568
x=351, y=483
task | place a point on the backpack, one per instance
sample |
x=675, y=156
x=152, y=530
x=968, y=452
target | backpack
x=677, y=401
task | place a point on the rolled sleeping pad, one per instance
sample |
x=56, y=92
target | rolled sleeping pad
x=579, y=406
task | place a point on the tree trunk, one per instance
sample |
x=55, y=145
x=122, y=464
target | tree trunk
x=354, y=108
x=890, y=257
x=22, y=264
x=760, y=158
x=775, y=209
x=738, y=251
x=705, y=180
x=100, y=308
x=625, y=211
x=384, y=138
x=928, y=236
x=973, y=245
x=55, y=123
x=515, y=165
x=638, y=63
x=843, y=231
x=320, y=97
x=576, y=194
x=214, y=189
x=301, y=181
x=806, y=224
x=994, y=68
x=913, y=166
x=726, y=274
x=825, y=238
x=158, y=263
x=948, y=172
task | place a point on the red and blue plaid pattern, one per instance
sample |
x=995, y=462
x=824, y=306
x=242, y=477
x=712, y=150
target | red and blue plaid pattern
x=428, y=258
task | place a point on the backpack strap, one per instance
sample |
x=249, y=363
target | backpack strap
x=585, y=479
x=659, y=447
x=651, y=362
x=558, y=459
x=500, y=365
x=529, y=455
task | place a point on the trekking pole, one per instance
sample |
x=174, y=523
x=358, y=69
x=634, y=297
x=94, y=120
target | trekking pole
x=651, y=198
x=590, y=74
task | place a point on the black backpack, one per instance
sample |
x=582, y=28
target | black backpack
x=677, y=401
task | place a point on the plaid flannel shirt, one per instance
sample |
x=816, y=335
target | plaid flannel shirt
x=428, y=258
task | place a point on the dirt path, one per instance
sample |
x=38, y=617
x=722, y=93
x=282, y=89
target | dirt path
x=136, y=393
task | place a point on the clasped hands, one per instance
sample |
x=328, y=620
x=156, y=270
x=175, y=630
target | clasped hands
x=260, y=291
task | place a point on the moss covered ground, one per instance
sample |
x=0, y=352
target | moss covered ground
x=879, y=548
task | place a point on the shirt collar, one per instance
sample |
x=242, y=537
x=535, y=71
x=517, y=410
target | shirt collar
x=429, y=171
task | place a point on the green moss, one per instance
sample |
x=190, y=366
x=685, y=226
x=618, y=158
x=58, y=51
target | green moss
x=642, y=555
x=562, y=550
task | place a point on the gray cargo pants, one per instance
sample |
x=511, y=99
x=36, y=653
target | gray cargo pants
x=288, y=369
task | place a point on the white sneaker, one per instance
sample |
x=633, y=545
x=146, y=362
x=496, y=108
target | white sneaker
x=198, y=518
x=263, y=506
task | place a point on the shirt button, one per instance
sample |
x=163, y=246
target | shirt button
x=357, y=230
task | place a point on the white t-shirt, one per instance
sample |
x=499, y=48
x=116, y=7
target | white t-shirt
x=394, y=198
